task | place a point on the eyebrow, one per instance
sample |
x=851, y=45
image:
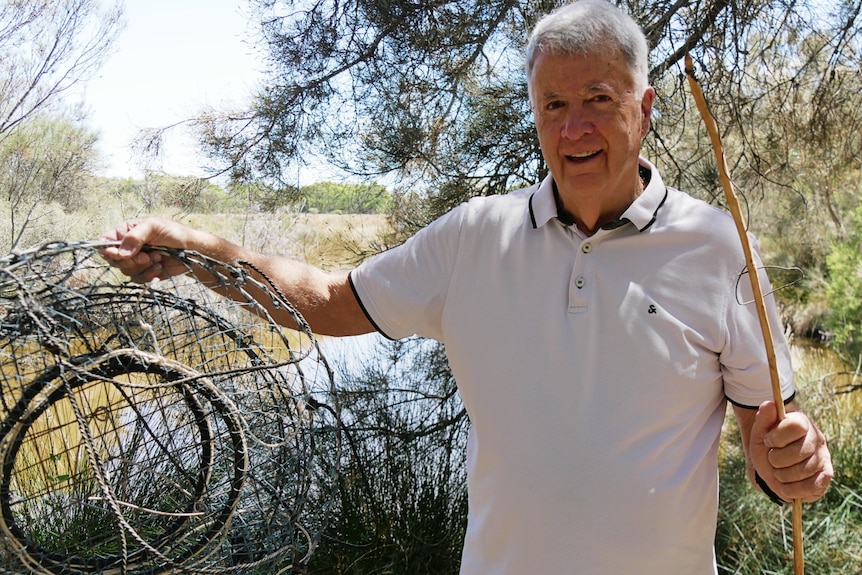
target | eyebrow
x=551, y=95
x=599, y=86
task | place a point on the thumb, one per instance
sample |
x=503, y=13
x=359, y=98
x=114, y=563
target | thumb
x=765, y=421
x=133, y=240
x=130, y=235
x=129, y=247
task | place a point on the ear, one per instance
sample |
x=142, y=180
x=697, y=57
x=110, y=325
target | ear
x=646, y=109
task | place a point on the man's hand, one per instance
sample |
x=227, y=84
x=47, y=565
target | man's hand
x=133, y=235
x=791, y=455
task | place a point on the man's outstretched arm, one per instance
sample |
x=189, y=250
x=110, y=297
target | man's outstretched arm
x=324, y=299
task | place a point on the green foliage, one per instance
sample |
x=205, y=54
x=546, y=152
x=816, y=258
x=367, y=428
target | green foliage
x=263, y=196
x=46, y=49
x=44, y=166
x=844, y=290
x=321, y=197
x=754, y=535
x=188, y=194
x=331, y=197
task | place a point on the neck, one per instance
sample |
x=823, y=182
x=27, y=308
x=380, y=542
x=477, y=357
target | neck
x=591, y=216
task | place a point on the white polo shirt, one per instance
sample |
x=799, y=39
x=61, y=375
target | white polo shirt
x=594, y=371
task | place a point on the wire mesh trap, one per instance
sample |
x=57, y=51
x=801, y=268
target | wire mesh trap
x=158, y=428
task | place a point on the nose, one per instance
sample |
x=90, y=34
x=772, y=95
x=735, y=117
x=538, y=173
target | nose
x=576, y=124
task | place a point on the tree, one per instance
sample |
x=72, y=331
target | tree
x=44, y=163
x=46, y=48
x=434, y=93
x=183, y=194
x=265, y=197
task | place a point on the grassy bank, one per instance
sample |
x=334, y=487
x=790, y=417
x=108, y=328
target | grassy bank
x=754, y=535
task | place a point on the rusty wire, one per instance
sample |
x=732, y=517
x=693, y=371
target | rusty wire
x=157, y=428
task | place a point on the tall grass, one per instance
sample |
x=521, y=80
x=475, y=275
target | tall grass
x=754, y=535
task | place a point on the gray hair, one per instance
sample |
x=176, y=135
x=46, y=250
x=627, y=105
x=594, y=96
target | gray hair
x=586, y=26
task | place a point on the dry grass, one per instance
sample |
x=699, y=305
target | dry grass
x=331, y=241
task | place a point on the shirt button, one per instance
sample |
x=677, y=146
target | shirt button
x=587, y=248
x=580, y=282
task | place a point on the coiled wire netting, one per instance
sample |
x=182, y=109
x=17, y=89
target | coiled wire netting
x=158, y=428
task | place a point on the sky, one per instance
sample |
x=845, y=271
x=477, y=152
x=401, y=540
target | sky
x=172, y=59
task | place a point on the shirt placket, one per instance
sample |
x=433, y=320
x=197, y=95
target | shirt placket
x=581, y=284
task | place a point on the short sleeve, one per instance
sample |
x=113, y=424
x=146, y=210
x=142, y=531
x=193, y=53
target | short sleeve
x=745, y=369
x=403, y=290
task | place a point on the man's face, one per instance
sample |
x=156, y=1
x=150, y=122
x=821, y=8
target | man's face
x=590, y=124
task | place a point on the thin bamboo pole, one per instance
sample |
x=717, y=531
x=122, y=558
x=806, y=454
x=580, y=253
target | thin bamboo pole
x=736, y=212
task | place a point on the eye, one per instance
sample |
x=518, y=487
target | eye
x=554, y=105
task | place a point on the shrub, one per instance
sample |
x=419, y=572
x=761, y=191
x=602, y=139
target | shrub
x=844, y=290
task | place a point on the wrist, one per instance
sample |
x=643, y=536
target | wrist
x=773, y=496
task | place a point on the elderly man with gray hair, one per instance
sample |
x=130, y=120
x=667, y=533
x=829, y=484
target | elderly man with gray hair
x=591, y=322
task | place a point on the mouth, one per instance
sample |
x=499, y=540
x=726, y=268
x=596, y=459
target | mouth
x=583, y=156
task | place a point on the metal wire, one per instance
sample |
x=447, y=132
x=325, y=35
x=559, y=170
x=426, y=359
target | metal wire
x=158, y=428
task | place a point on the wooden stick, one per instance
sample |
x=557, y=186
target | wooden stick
x=736, y=212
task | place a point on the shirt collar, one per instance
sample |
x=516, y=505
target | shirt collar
x=642, y=212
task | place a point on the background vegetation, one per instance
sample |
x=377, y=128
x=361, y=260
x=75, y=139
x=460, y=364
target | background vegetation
x=429, y=97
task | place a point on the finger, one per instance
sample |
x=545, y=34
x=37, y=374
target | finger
x=795, y=427
x=135, y=264
x=154, y=269
x=110, y=235
x=787, y=458
x=810, y=489
x=160, y=267
x=148, y=275
x=808, y=467
x=803, y=468
x=794, y=453
x=765, y=419
x=803, y=457
x=138, y=267
x=146, y=258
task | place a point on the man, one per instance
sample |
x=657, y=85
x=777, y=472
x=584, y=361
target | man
x=591, y=322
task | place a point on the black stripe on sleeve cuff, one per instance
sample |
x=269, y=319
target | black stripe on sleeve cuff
x=364, y=310
x=737, y=404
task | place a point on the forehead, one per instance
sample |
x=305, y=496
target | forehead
x=564, y=73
